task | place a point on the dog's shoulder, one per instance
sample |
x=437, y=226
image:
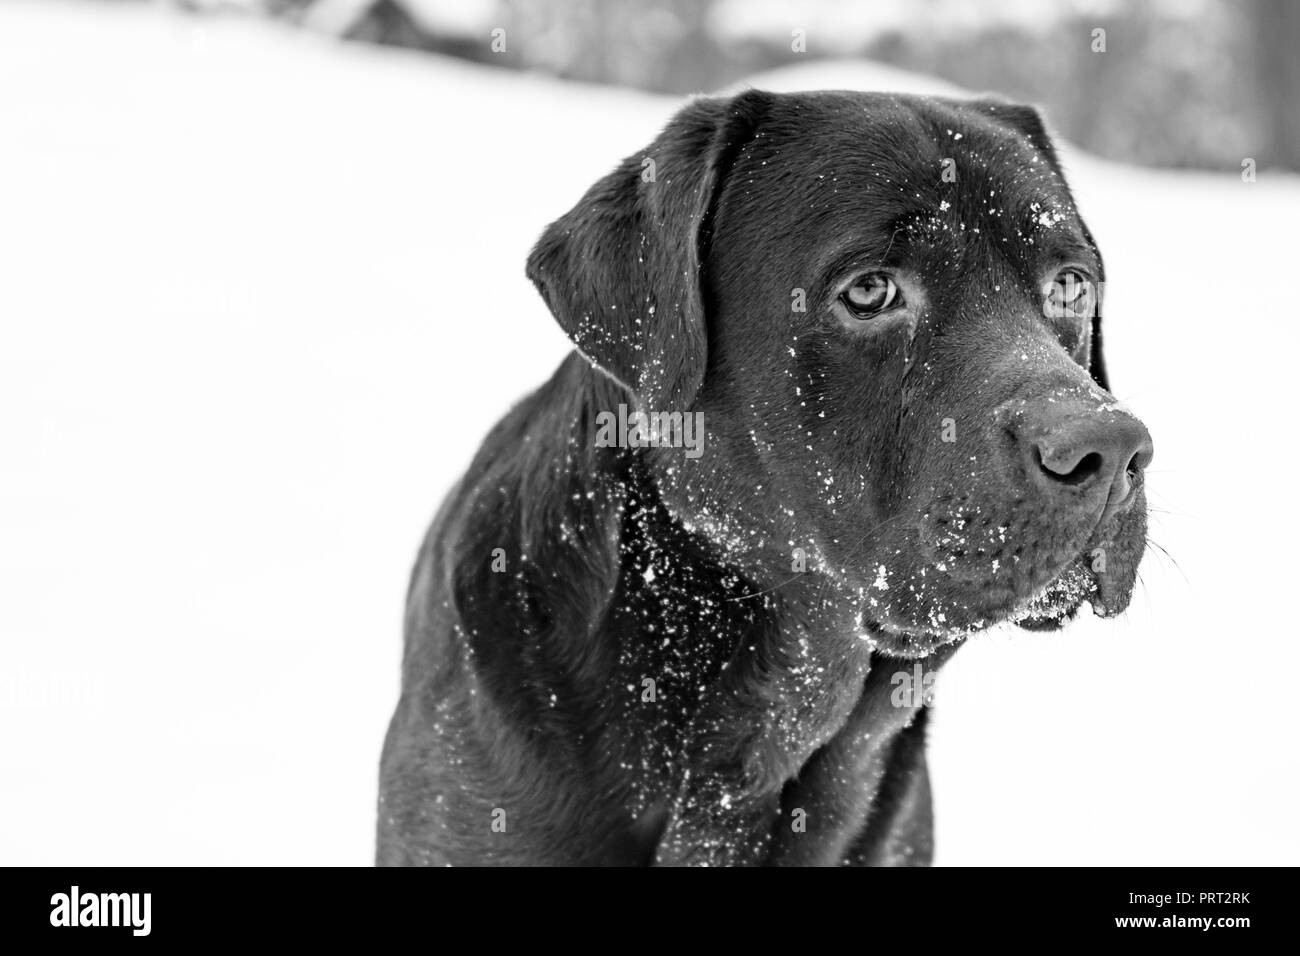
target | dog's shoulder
x=526, y=543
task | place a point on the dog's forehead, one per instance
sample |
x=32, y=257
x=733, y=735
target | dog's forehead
x=940, y=170
x=859, y=132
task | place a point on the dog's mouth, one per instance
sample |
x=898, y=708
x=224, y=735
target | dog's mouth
x=1088, y=580
x=1050, y=608
x=1100, y=575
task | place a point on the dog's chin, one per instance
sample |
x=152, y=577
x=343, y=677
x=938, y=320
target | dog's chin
x=1049, y=608
x=1059, y=601
x=906, y=643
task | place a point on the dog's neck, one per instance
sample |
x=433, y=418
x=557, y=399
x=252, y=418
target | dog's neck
x=634, y=648
x=773, y=663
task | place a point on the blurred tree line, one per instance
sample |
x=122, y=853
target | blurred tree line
x=1198, y=85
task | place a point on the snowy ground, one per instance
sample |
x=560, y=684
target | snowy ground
x=260, y=298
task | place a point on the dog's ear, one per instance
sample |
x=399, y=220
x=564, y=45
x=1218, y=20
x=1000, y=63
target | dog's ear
x=1028, y=121
x=1024, y=119
x=621, y=270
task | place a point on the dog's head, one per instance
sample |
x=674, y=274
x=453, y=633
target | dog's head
x=887, y=309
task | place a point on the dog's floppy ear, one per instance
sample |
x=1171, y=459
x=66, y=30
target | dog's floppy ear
x=1028, y=121
x=621, y=270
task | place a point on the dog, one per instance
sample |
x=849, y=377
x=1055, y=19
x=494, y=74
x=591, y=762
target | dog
x=885, y=312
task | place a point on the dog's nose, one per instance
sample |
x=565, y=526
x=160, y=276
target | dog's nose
x=1090, y=452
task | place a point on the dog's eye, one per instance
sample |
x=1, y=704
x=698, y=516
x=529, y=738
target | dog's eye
x=1070, y=295
x=871, y=294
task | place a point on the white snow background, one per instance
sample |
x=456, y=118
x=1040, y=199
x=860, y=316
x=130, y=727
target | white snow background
x=262, y=295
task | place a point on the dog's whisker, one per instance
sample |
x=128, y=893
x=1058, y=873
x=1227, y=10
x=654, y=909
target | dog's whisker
x=774, y=588
x=1169, y=557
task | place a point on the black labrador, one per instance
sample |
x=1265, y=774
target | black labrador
x=838, y=402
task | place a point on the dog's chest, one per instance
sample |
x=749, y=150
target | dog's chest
x=720, y=684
